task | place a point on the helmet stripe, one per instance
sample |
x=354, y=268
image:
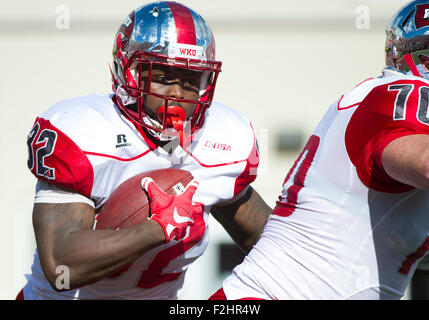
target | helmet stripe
x=184, y=23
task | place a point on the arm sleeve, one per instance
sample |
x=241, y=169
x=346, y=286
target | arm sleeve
x=49, y=193
x=388, y=112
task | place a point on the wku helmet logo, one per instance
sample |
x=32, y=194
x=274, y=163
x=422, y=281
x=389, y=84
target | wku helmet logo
x=189, y=51
x=422, y=16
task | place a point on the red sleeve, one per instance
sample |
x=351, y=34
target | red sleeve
x=55, y=158
x=388, y=112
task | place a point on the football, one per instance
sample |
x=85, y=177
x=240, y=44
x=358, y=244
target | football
x=129, y=205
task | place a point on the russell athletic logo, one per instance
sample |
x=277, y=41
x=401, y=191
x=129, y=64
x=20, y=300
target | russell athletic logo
x=122, y=141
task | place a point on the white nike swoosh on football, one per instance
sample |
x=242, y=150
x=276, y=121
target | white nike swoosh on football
x=180, y=219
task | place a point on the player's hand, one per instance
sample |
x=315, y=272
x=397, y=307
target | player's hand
x=174, y=213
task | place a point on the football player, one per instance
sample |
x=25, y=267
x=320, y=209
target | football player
x=161, y=115
x=352, y=221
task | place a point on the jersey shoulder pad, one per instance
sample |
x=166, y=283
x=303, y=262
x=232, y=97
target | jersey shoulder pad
x=228, y=141
x=227, y=136
x=59, y=136
x=390, y=110
x=55, y=158
x=83, y=119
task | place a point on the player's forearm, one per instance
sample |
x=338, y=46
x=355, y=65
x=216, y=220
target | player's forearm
x=248, y=230
x=245, y=219
x=64, y=237
x=92, y=255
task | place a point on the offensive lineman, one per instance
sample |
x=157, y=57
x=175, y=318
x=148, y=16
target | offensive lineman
x=161, y=115
x=352, y=221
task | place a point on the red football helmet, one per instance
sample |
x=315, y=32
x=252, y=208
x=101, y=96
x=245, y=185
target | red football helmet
x=163, y=35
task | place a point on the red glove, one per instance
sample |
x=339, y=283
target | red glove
x=174, y=213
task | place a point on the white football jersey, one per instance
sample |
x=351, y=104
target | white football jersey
x=87, y=145
x=342, y=228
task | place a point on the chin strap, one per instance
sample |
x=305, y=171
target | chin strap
x=410, y=63
x=174, y=123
